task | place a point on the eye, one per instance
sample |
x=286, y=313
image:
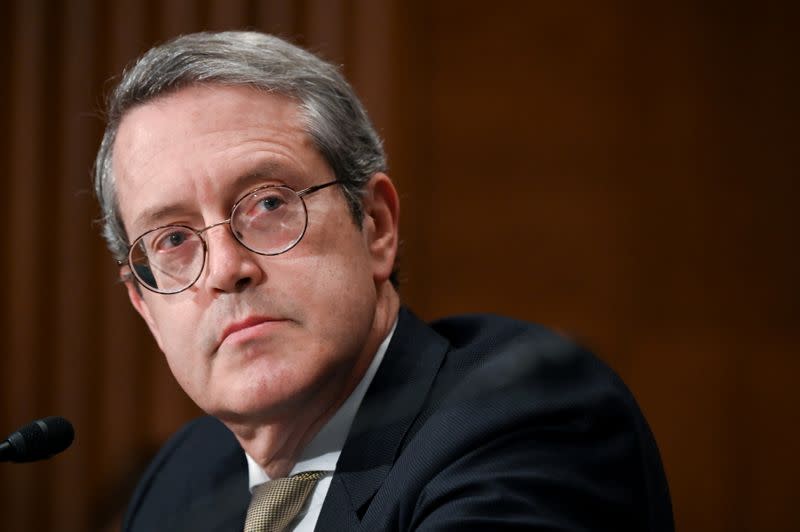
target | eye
x=176, y=239
x=265, y=208
x=171, y=238
x=271, y=202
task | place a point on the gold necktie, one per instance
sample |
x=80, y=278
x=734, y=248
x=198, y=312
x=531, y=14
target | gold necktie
x=275, y=503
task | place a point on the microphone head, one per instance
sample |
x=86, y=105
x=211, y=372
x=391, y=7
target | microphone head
x=38, y=440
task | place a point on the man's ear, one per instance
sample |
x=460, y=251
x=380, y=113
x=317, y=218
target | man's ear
x=138, y=302
x=381, y=217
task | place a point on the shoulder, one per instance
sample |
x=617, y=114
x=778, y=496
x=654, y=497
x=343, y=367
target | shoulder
x=201, y=461
x=524, y=419
x=491, y=354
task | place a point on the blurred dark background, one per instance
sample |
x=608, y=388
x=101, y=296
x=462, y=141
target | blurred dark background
x=625, y=172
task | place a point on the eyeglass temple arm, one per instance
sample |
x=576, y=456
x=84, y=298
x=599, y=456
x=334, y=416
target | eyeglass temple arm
x=312, y=189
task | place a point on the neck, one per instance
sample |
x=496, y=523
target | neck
x=277, y=444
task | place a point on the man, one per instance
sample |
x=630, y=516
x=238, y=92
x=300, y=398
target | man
x=244, y=196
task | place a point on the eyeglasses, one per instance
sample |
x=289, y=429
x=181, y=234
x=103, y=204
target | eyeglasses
x=269, y=220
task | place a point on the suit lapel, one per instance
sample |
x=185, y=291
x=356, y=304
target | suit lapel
x=391, y=404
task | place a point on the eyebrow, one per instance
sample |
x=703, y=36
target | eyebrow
x=261, y=173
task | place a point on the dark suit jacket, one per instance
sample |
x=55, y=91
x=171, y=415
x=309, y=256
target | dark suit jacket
x=473, y=423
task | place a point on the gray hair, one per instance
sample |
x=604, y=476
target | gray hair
x=334, y=117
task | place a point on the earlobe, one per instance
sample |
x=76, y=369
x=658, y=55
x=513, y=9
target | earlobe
x=382, y=213
x=138, y=302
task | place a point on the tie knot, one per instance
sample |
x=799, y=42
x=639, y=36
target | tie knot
x=276, y=503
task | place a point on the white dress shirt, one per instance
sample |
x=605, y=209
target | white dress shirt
x=322, y=452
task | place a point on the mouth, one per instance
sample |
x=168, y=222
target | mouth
x=243, y=330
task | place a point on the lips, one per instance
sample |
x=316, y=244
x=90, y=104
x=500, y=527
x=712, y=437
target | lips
x=240, y=328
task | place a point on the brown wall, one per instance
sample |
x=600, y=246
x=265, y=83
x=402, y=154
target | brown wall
x=626, y=174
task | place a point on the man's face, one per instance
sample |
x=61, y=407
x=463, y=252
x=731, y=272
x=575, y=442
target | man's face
x=256, y=335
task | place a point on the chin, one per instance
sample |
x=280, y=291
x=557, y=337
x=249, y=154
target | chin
x=249, y=405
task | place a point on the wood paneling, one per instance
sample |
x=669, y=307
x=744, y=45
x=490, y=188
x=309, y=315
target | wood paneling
x=621, y=172
x=25, y=348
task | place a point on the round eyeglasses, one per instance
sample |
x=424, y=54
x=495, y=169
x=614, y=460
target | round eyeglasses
x=269, y=220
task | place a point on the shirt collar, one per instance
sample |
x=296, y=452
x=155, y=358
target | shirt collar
x=322, y=452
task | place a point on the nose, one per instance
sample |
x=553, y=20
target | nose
x=230, y=267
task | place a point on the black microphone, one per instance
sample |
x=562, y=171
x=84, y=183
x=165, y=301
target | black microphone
x=38, y=440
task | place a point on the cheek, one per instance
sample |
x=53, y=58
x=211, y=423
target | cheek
x=338, y=277
x=329, y=265
x=342, y=301
x=332, y=293
x=181, y=340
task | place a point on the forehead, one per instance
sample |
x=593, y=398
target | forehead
x=205, y=109
x=191, y=146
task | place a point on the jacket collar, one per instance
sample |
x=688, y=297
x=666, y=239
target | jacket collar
x=392, y=402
